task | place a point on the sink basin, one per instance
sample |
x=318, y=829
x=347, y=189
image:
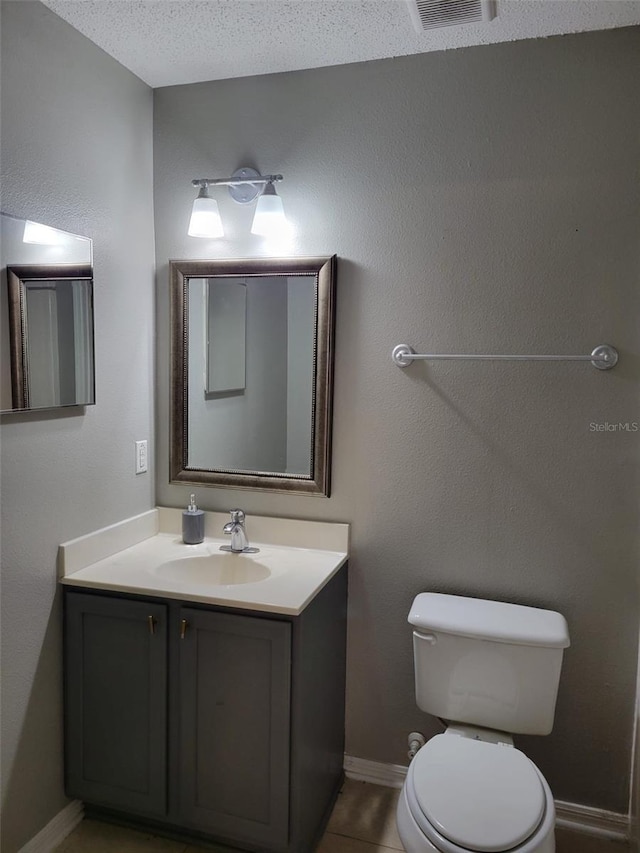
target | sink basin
x=214, y=569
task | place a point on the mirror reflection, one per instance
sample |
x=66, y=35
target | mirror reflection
x=251, y=373
x=46, y=316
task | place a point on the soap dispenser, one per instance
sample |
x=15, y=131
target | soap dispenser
x=192, y=523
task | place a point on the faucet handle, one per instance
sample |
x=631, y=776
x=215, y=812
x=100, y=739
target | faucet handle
x=237, y=516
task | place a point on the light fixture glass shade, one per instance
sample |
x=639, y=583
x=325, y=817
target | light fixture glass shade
x=205, y=218
x=269, y=219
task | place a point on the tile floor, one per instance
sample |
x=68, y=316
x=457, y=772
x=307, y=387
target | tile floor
x=363, y=821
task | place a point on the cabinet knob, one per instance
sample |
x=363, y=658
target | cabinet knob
x=183, y=628
x=152, y=624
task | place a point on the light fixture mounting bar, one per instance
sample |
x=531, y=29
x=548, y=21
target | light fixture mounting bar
x=245, y=185
x=233, y=182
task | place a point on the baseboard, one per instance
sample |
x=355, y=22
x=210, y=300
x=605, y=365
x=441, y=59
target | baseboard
x=592, y=821
x=56, y=830
x=571, y=816
x=389, y=775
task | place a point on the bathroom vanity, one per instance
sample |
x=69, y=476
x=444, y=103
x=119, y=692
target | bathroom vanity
x=207, y=719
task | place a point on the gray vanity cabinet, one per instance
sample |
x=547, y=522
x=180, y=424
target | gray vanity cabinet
x=234, y=725
x=116, y=702
x=212, y=723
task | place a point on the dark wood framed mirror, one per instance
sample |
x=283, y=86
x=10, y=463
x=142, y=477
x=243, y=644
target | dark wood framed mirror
x=252, y=373
x=51, y=335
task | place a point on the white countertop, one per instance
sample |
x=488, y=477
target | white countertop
x=295, y=574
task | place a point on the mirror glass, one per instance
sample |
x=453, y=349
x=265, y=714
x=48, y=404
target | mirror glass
x=252, y=345
x=46, y=316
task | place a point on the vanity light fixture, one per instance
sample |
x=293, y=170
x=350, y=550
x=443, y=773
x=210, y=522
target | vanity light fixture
x=205, y=217
x=269, y=219
x=245, y=185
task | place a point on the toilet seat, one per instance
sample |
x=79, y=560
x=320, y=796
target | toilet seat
x=470, y=795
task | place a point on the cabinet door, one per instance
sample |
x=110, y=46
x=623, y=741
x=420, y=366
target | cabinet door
x=116, y=702
x=234, y=726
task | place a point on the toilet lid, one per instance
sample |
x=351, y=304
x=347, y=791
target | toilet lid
x=478, y=795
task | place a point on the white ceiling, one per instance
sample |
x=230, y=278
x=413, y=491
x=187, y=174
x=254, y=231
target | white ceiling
x=166, y=42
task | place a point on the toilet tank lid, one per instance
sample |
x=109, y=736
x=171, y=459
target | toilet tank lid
x=489, y=620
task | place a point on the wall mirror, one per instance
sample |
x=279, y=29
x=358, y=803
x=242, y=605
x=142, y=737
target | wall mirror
x=252, y=372
x=46, y=317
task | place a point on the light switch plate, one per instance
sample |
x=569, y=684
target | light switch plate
x=141, y=457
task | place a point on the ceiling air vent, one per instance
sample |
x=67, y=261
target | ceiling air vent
x=430, y=14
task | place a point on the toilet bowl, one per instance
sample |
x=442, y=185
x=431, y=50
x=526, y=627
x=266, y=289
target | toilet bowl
x=467, y=795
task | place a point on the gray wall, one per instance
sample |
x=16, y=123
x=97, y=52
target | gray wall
x=482, y=200
x=76, y=153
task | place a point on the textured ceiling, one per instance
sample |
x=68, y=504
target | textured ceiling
x=166, y=42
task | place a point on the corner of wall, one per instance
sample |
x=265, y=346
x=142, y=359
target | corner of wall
x=634, y=796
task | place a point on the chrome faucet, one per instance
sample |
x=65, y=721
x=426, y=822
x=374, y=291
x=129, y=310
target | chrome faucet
x=235, y=528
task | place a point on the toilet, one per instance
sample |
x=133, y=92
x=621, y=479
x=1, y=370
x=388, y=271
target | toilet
x=488, y=670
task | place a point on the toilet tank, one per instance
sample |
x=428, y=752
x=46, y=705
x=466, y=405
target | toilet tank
x=487, y=663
